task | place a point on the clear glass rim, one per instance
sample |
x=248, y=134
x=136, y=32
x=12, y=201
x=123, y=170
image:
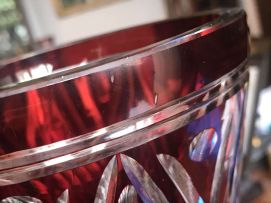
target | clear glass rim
x=225, y=17
x=41, y=161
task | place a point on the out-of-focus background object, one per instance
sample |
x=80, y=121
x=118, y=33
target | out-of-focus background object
x=35, y=25
x=45, y=22
x=14, y=35
x=69, y=7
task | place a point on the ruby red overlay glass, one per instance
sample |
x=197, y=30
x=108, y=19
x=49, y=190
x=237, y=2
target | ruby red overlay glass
x=152, y=113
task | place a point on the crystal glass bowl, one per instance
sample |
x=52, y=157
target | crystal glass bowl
x=152, y=113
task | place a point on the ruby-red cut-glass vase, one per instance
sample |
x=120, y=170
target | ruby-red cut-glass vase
x=152, y=113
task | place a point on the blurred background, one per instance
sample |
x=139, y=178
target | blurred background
x=34, y=25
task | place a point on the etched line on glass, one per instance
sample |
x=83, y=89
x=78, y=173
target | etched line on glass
x=128, y=195
x=180, y=178
x=21, y=199
x=108, y=183
x=225, y=132
x=144, y=185
x=64, y=197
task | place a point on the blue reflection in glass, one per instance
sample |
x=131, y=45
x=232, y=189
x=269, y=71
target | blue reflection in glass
x=203, y=145
x=200, y=200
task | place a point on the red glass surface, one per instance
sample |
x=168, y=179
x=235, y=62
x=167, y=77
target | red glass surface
x=40, y=116
x=72, y=108
x=82, y=182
